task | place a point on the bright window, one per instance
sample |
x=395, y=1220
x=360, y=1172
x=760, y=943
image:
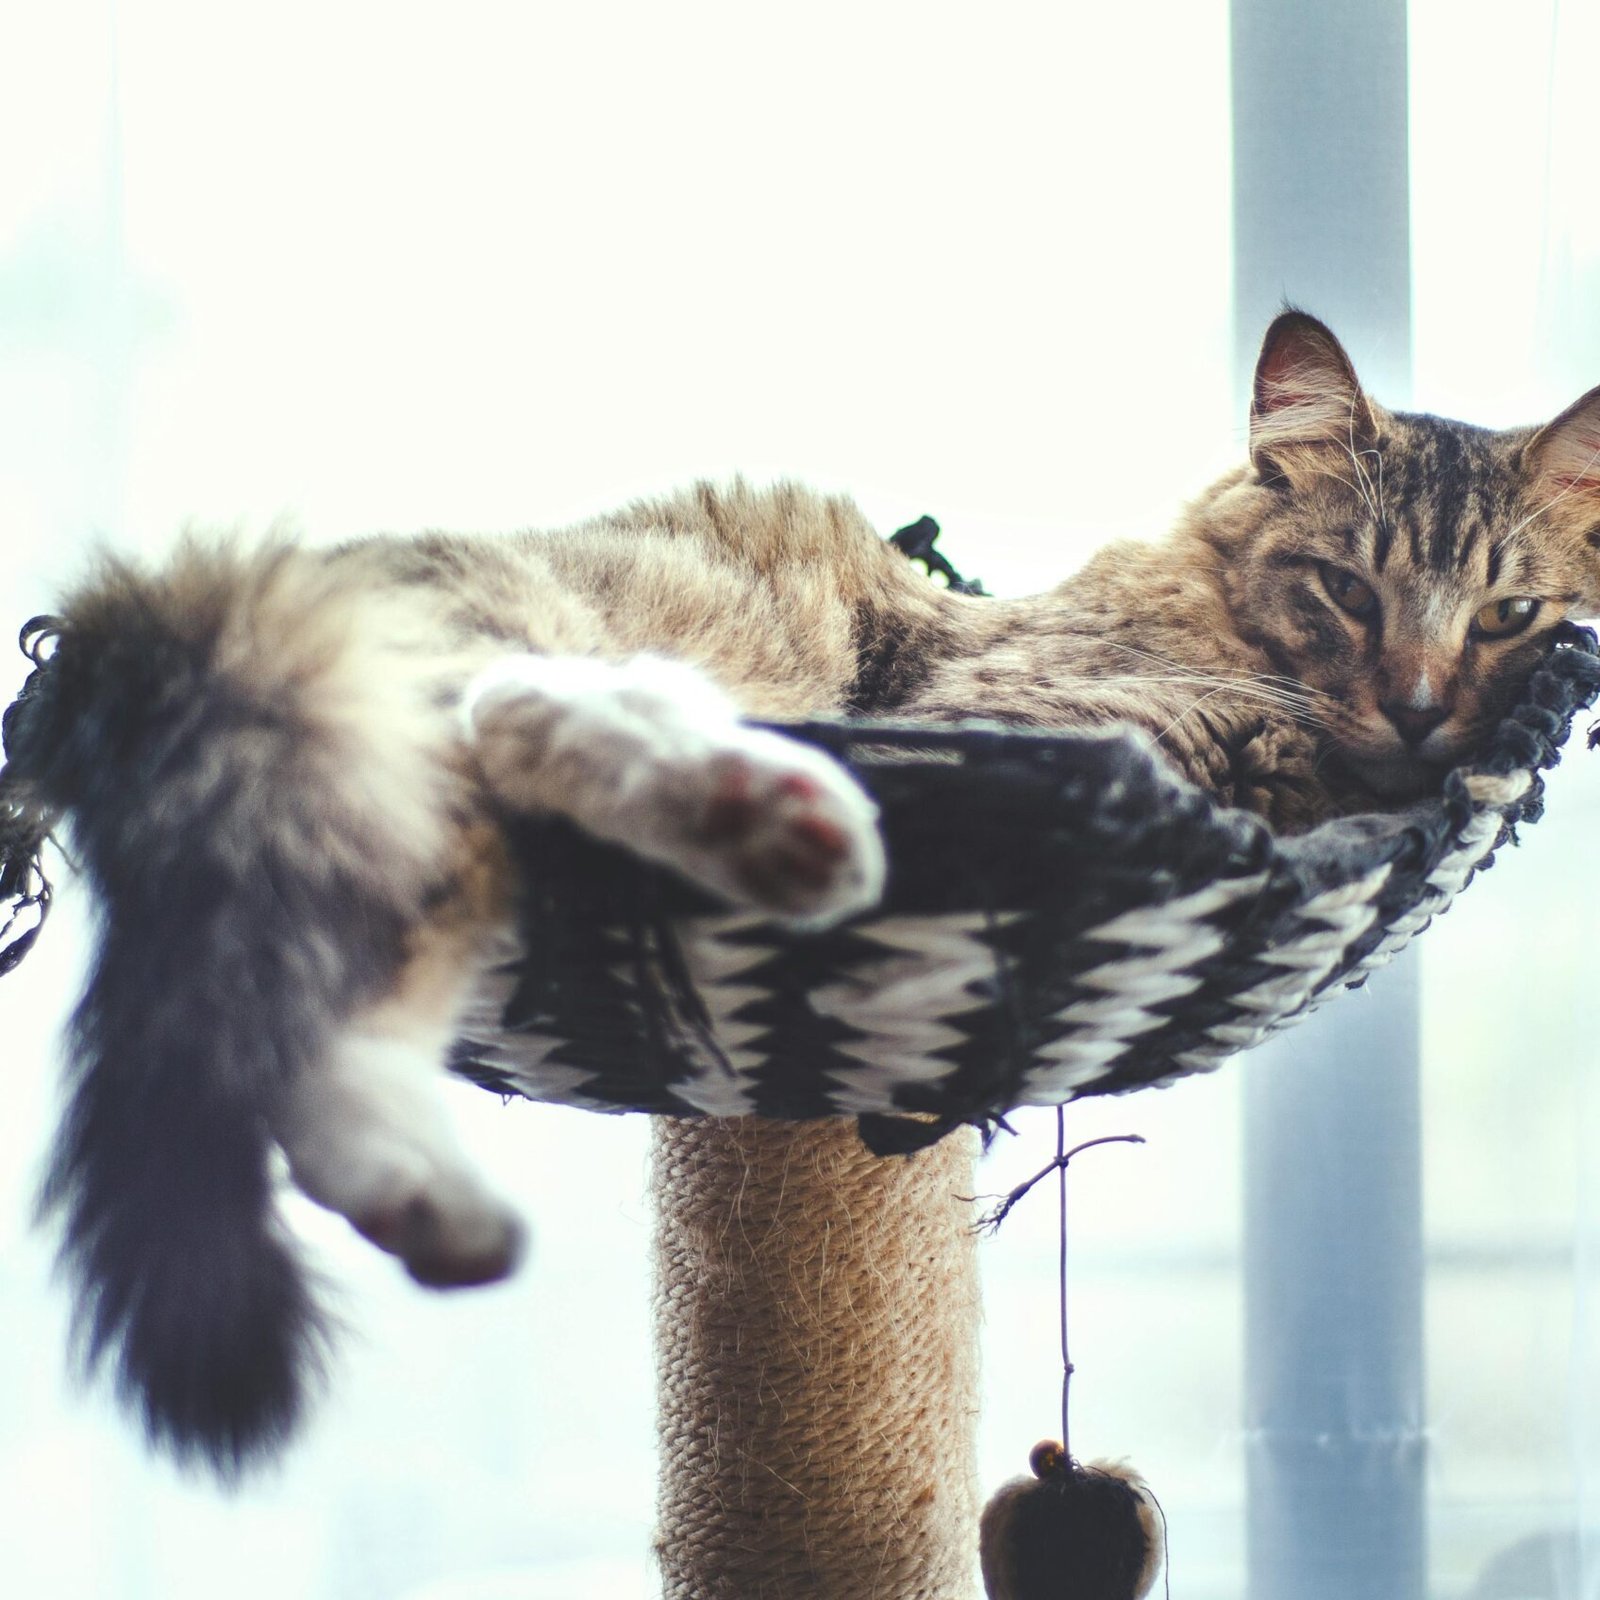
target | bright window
x=363, y=267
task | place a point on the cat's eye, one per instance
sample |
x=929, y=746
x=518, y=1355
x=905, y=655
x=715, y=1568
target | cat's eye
x=1347, y=591
x=1502, y=618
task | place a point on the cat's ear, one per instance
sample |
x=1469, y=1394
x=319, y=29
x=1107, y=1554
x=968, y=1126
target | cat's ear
x=1563, y=463
x=1306, y=402
x=1562, y=473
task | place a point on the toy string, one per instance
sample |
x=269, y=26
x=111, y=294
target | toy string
x=1061, y=1268
x=1063, y=1156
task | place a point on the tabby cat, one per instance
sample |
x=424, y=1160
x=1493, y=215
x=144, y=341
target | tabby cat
x=284, y=770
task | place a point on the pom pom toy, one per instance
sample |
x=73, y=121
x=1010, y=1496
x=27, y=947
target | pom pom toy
x=1070, y=1532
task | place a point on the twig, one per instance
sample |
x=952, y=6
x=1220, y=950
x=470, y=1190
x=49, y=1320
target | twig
x=990, y=1221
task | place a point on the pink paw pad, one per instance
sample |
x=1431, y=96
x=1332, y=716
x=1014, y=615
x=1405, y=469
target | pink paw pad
x=732, y=810
x=782, y=834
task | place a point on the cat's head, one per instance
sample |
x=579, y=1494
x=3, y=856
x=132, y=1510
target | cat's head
x=1407, y=568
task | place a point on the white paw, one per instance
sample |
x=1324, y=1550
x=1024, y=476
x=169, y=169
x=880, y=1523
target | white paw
x=447, y=1240
x=781, y=827
x=369, y=1135
x=651, y=754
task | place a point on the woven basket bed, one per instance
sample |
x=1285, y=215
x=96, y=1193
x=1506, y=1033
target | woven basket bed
x=1063, y=917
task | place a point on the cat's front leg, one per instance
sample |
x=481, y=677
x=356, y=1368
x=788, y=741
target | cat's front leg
x=650, y=754
x=1264, y=763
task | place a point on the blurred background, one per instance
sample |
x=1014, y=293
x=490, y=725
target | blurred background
x=351, y=267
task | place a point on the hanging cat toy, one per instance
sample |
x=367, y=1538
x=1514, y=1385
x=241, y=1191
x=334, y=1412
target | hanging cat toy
x=1071, y=1531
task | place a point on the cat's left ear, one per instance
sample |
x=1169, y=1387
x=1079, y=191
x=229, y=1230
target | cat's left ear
x=1562, y=475
x=1563, y=464
x=1306, y=401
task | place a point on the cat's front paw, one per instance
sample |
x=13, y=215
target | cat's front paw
x=783, y=828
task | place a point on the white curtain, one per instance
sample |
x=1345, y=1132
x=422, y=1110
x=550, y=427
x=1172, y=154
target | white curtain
x=363, y=266
x=1507, y=285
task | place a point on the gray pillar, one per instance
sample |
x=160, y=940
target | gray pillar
x=1333, y=1233
x=1334, y=1443
x=1321, y=182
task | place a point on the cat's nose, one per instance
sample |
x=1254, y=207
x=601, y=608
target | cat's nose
x=1414, y=723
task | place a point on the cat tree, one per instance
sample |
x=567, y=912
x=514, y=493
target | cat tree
x=1063, y=919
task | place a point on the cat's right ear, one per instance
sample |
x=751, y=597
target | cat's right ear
x=1306, y=402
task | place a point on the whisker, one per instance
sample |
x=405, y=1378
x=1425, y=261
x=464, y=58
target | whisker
x=1241, y=686
x=1285, y=688
x=1555, y=500
x=1187, y=711
x=1239, y=689
x=1349, y=483
x=1355, y=458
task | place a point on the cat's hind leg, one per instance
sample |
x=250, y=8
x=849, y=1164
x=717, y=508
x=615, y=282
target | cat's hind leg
x=368, y=1131
x=651, y=754
x=368, y=1136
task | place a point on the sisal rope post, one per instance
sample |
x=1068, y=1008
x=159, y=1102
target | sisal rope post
x=816, y=1326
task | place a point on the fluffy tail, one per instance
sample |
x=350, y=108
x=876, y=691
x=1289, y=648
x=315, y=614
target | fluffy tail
x=248, y=757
